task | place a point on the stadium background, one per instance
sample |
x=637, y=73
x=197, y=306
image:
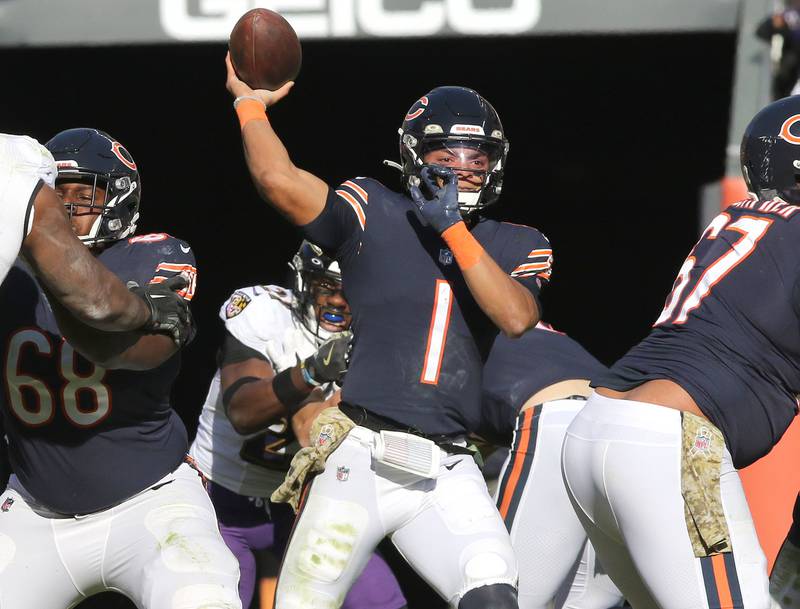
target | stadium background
x=612, y=139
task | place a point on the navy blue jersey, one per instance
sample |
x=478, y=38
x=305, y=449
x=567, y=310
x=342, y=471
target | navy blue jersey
x=729, y=333
x=420, y=337
x=82, y=438
x=519, y=368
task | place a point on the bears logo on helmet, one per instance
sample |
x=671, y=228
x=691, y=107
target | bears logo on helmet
x=770, y=152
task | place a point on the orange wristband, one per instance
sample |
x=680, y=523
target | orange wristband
x=464, y=246
x=250, y=110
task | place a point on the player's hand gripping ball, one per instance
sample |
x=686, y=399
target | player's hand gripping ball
x=264, y=50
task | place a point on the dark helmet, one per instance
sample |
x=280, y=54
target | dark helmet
x=94, y=157
x=770, y=153
x=455, y=117
x=310, y=264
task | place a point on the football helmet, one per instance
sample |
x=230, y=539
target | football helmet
x=770, y=152
x=461, y=122
x=309, y=265
x=96, y=158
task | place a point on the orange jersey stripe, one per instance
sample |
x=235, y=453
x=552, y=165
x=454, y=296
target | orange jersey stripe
x=186, y=269
x=177, y=268
x=358, y=189
x=519, y=459
x=532, y=266
x=353, y=202
x=542, y=252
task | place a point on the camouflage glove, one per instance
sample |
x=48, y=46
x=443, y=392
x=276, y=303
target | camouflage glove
x=439, y=204
x=330, y=361
x=328, y=431
x=169, y=311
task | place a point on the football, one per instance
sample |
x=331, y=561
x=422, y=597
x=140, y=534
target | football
x=265, y=50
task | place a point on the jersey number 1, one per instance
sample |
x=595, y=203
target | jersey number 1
x=678, y=307
x=42, y=410
x=437, y=333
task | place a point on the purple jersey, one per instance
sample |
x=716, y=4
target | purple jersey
x=82, y=438
x=729, y=333
x=420, y=337
x=519, y=368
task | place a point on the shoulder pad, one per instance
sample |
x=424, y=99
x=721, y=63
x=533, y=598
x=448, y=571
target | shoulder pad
x=276, y=292
x=265, y=302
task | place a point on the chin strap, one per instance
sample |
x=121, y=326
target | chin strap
x=393, y=164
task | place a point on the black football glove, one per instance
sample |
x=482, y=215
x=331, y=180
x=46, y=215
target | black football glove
x=330, y=361
x=169, y=311
x=438, y=205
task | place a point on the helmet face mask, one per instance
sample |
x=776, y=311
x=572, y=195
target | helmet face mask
x=93, y=158
x=316, y=276
x=770, y=151
x=458, y=120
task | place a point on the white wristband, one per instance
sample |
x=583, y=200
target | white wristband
x=253, y=97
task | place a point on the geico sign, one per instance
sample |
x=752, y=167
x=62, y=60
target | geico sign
x=213, y=19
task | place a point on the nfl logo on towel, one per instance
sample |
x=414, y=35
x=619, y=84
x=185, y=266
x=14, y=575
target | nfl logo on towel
x=342, y=473
x=702, y=442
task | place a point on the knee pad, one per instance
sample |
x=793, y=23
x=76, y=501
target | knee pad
x=494, y=596
x=325, y=539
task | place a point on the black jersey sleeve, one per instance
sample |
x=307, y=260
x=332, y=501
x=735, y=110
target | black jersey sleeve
x=343, y=219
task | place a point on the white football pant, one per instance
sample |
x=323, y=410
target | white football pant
x=548, y=539
x=447, y=528
x=161, y=548
x=622, y=468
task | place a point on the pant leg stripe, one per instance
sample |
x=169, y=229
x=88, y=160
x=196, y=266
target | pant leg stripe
x=505, y=474
x=721, y=577
x=721, y=582
x=511, y=475
x=733, y=580
x=519, y=426
x=710, y=582
x=517, y=474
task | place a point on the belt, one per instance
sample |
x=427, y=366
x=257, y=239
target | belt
x=364, y=418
